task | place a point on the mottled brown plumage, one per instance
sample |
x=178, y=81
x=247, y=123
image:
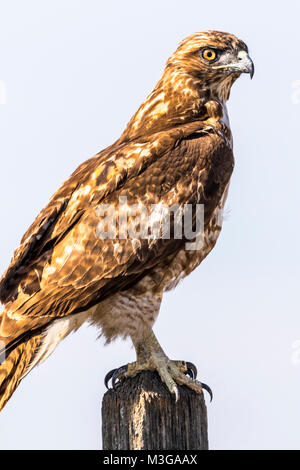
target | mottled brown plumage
x=176, y=149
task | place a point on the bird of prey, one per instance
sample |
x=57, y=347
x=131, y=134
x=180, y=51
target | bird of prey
x=176, y=150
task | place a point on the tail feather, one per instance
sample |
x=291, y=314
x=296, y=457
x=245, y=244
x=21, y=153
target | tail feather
x=23, y=349
x=15, y=365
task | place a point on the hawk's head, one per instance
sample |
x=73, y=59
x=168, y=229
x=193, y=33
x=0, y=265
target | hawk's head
x=213, y=57
x=201, y=71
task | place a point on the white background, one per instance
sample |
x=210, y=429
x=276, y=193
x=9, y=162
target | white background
x=75, y=72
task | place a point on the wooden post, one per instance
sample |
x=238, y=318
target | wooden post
x=141, y=414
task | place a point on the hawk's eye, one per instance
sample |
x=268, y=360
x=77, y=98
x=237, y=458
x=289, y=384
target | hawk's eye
x=209, y=54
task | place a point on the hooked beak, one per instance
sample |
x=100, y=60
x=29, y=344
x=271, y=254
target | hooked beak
x=243, y=64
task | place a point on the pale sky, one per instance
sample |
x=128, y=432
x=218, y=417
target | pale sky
x=72, y=74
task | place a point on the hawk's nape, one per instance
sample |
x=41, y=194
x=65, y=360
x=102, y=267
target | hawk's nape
x=175, y=151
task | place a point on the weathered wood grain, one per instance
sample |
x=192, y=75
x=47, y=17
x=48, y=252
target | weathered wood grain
x=142, y=415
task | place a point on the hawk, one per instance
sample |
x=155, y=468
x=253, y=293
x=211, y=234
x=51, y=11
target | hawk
x=176, y=149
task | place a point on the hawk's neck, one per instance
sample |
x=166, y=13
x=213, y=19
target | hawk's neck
x=177, y=99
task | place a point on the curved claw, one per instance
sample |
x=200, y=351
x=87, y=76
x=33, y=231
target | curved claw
x=191, y=370
x=114, y=375
x=176, y=393
x=118, y=374
x=108, y=377
x=208, y=389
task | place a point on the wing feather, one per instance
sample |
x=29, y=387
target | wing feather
x=70, y=268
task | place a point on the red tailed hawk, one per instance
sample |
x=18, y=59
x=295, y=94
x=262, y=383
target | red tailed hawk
x=176, y=150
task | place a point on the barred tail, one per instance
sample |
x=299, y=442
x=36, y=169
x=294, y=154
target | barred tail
x=15, y=365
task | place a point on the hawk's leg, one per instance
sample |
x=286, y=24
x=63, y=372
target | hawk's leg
x=150, y=356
